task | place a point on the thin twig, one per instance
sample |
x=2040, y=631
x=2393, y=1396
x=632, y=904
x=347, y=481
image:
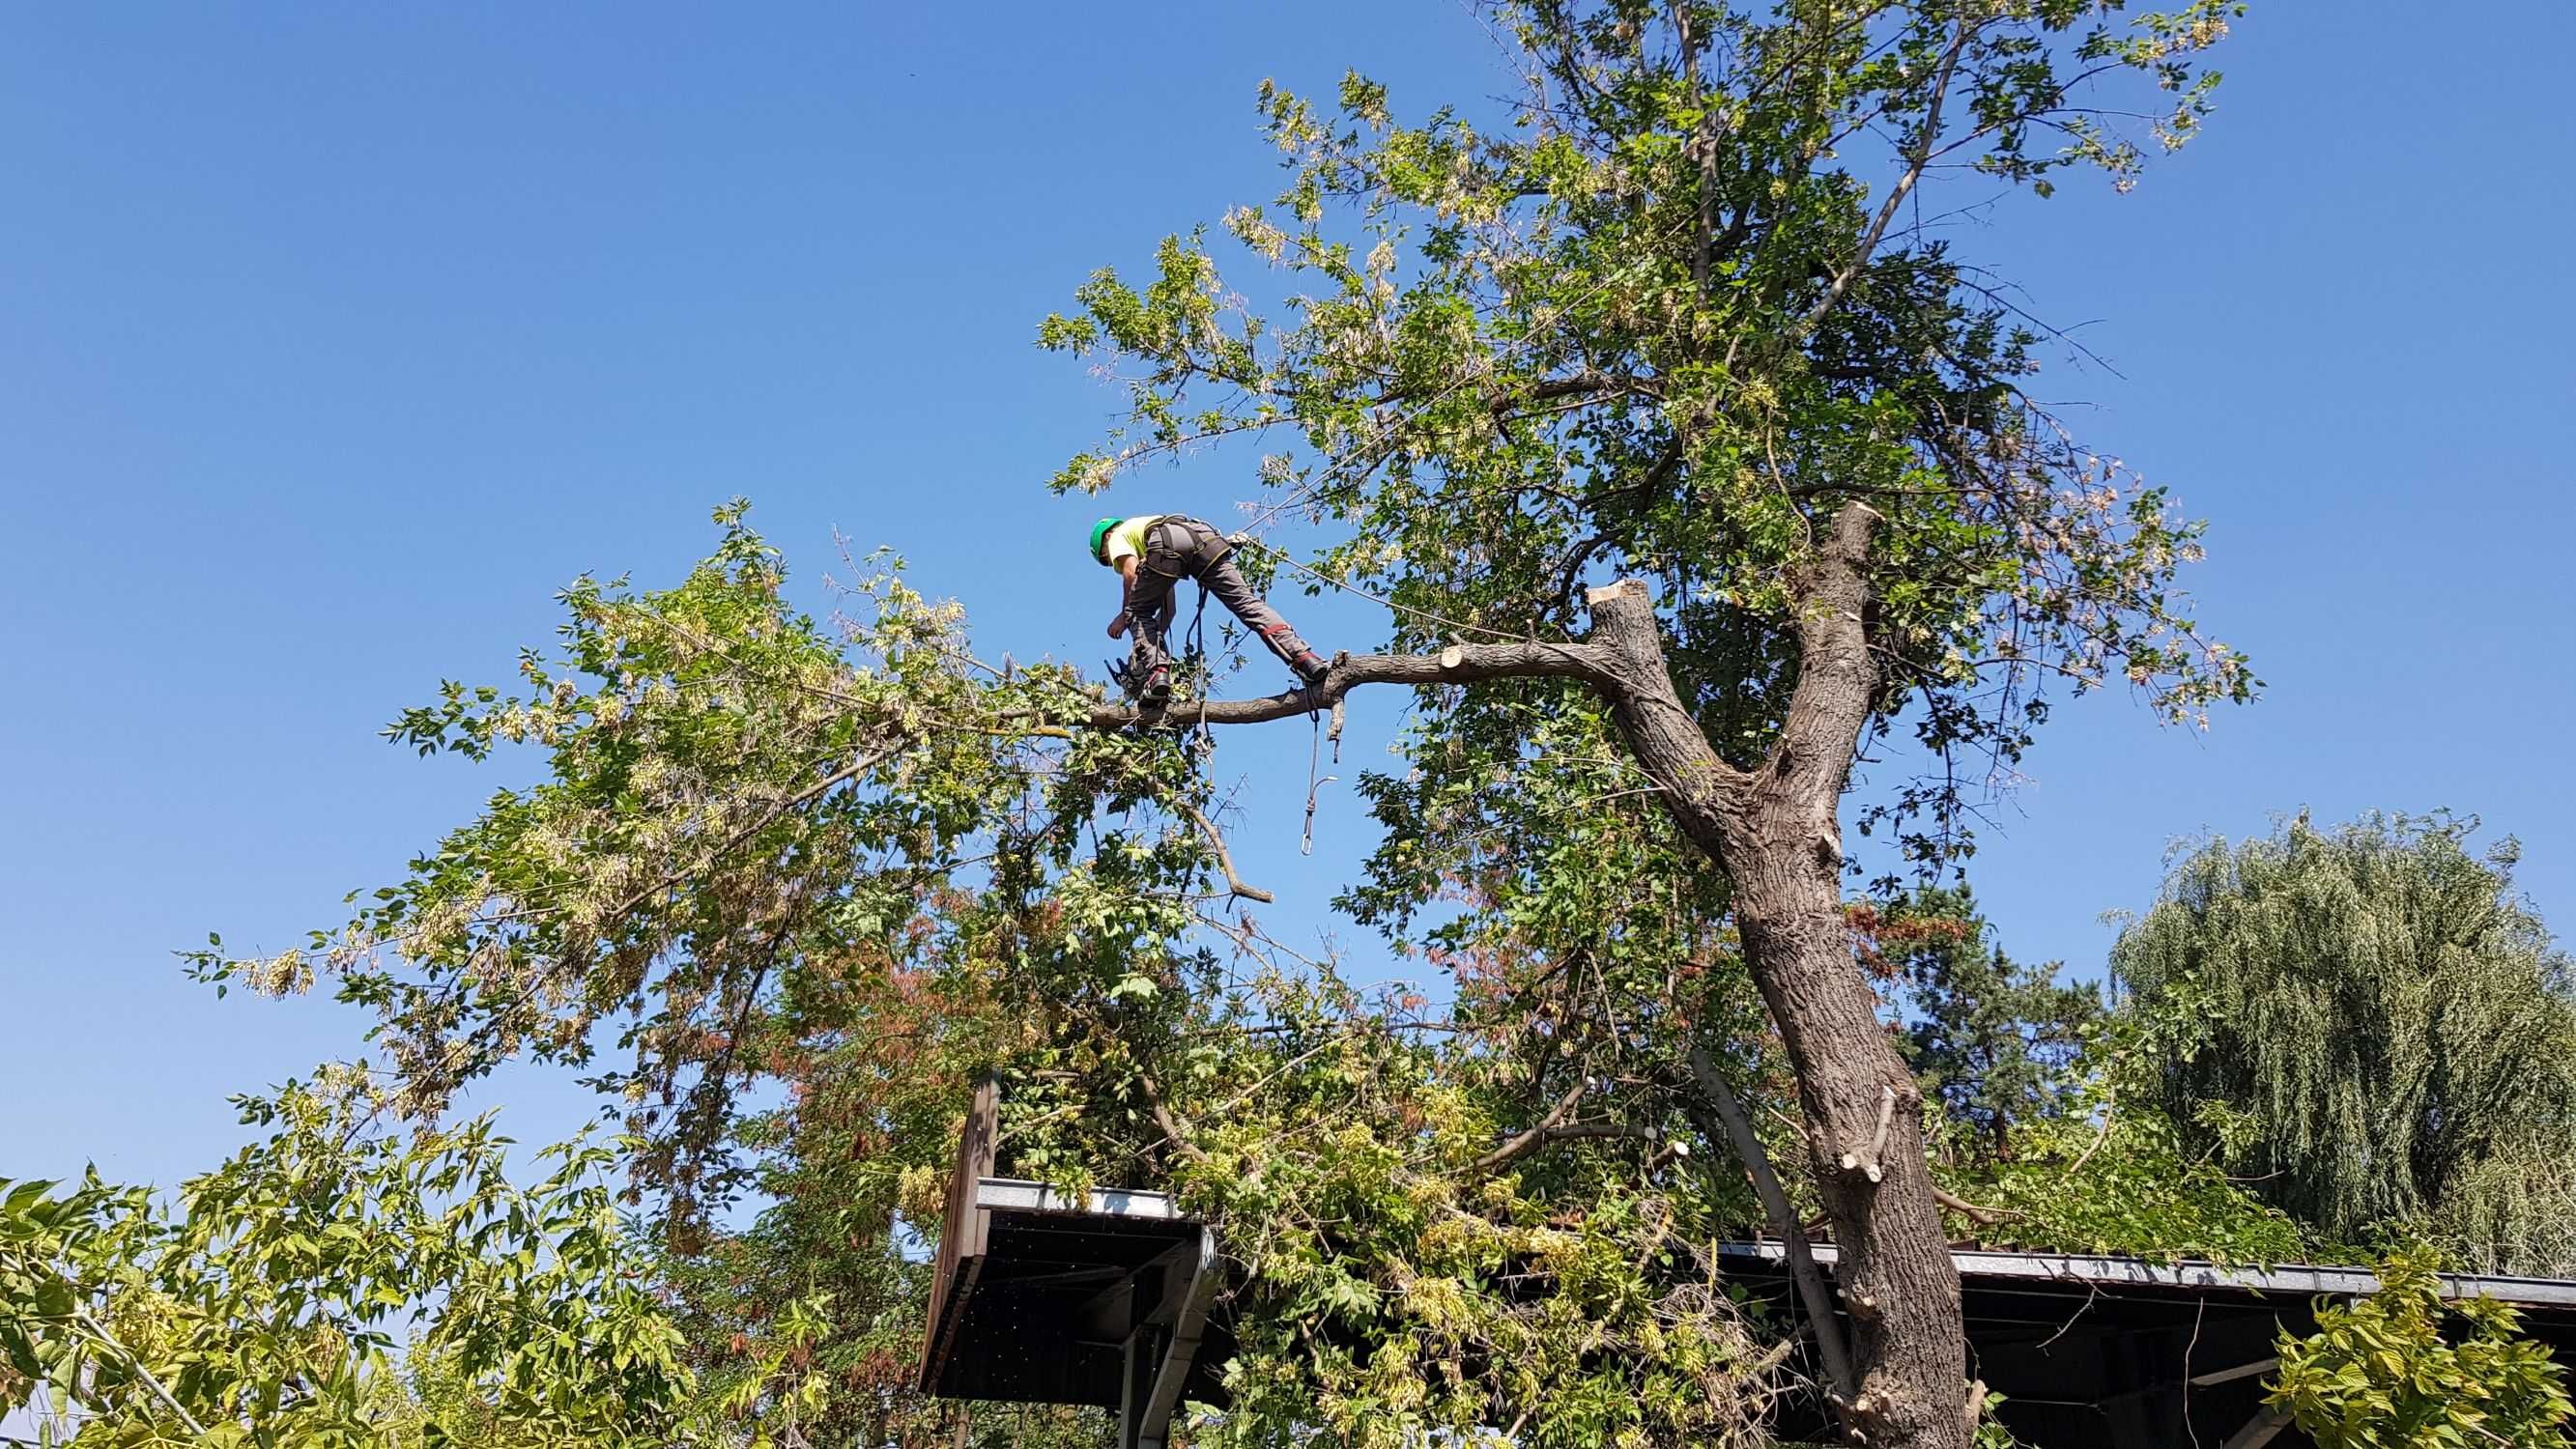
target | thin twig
x=2110, y=1105
x=90, y=1326
x=1225, y=860
x=2092, y=1291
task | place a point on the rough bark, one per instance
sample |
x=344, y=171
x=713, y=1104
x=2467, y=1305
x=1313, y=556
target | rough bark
x=1775, y=830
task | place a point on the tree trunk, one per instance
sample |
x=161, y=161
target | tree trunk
x=1864, y=1137
x=1776, y=833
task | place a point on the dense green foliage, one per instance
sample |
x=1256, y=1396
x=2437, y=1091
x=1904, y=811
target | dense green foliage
x=2406, y=1369
x=706, y=856
x=327, y=1287
x=2391, y=1019
x=1995, y=1040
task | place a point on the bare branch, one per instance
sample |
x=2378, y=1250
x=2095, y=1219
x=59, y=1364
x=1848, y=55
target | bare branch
x=1225, y=860
x=1914, y=165
x=1529, y=1141
x=1174, y=1128
x=1738, y=1130
x=2110, y=1106
x=1981, y=1216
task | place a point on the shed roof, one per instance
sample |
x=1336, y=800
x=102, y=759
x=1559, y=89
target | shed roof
x=2298, y=1278
x=2131, y=1353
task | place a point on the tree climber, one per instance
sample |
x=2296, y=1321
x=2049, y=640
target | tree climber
x=1154, y=552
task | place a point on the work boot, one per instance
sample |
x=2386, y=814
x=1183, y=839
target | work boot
x=1155, y=690
x=1310, y=667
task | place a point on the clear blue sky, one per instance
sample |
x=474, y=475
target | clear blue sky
x=333, y=339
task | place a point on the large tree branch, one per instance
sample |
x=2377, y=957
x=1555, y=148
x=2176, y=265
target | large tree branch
x=1176, y=1129
x=1836, y=677
x=1457, y=664
x=1702, y=792
x=1577, y=1132
x=1716, y=1098
x=1528, y=1141
x=1623, y=660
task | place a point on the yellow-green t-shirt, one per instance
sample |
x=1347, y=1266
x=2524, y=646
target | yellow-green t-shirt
x=1128, y=538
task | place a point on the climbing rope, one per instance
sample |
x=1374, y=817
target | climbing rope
x=1194, y=644
x=1314, y=785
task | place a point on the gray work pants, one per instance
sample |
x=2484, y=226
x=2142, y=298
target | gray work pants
x=1184, y=548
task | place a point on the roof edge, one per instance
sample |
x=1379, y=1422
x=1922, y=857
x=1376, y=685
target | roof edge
x=2306, y=1278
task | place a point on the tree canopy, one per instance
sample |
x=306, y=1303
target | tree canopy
x=326, y=1287
x=1660, y=321
x=2392, y=1015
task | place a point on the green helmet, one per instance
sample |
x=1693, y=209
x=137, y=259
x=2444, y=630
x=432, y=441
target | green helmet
x=1100, y=535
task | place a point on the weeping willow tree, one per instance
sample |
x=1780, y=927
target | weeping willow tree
x=2371, y=1023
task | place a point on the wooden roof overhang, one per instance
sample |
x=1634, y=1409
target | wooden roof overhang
x=1039, y=1298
